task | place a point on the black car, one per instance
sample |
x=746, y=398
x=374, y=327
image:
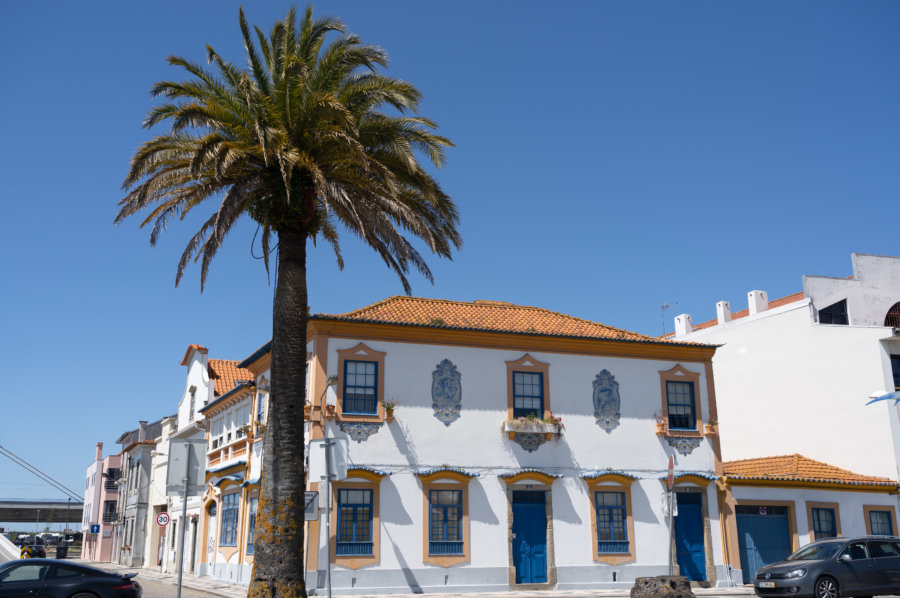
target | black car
x=47, y=578
x=863, y=566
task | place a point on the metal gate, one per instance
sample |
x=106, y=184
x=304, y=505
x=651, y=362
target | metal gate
x=764, y=537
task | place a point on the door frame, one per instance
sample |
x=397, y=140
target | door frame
x=548, y=514
x=790, y=511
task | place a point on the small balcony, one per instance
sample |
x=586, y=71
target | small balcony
x=111, y=485
x=110, y=517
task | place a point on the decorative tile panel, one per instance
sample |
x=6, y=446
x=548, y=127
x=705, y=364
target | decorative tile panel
x=446, y=392
x=683, y=444
x=360, y=431
x=528, y=441
x=607, y=403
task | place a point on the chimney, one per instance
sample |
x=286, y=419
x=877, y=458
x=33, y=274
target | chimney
x=142, y=433
x=99, y=451
x=757, y=301
x=723, y=312
x=683, y=326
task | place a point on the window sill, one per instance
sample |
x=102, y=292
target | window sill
x=687, y=433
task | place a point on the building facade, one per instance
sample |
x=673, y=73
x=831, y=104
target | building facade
x=802, y=368
x=134, y=493
x=545, y=436
x=100, y=507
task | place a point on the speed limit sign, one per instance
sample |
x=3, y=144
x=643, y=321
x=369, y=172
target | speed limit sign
x=162, y=519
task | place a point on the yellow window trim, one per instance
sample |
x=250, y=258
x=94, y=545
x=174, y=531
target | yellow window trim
x=361, y=352
x=461, y=485
x=681, y=374
x=612, y=482
x=355, y=562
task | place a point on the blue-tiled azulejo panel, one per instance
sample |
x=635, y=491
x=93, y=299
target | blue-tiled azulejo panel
x=446, y=392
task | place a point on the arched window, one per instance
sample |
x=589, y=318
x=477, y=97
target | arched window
x=893, y=316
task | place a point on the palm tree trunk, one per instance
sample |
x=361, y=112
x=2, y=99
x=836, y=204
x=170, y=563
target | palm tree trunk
x=278, y=559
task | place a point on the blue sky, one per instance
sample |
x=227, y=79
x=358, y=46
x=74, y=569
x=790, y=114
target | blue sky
x=611, y=157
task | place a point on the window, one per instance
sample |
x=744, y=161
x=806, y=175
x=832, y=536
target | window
x=895, y=370
x=879, y=520
x=261, y=407
x=193, y=392
x=681, y=401
x=445, y=522
x=882, y=548
x=354, y=522
x=251, y=525
x=228, y=536
x=856, y=550
x=893, y=316
x=612, y=525
x=835, y=313
x=174, y=533
x=23, y=573
x=612, y=535
x=528, y=388
x=360, y=387
x=680, y=405
x=823, y=523
x=528, y=394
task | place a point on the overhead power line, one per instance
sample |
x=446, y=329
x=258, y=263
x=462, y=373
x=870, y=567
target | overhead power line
x=40, y=474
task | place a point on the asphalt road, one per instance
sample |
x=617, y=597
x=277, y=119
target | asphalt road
x=154, y=589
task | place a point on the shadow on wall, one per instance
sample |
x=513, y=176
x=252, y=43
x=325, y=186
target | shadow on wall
x=391, y=496
x=404, y=566
x=641, y=508
x=479, y=506
x=563, y=509
x=401, y=437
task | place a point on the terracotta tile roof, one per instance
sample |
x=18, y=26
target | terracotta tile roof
x=797, y=468
x=225, y=372
x=746, y=312
x=481, y=315
x=201, y=348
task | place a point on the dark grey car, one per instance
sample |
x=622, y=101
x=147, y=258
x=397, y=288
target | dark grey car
x=862, y=566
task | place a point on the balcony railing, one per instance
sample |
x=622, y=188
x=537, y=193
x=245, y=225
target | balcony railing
x=111, y=484
x=110, y=517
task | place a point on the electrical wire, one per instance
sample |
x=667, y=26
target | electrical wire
x=40, y=474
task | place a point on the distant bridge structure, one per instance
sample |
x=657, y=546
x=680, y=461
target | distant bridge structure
x=41, y=510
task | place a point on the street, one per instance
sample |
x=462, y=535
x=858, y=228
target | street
x=155, y=589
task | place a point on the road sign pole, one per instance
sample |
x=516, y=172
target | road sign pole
x=327, y=446
x=184, y=499
x=670, y=483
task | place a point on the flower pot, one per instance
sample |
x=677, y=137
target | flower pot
x=710, y=429
x=388, y=415
x=329, y=411
x=306, y=409
x=660, y=428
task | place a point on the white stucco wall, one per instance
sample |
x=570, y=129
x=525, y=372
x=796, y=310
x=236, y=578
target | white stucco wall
x=872, y=290
x=785, y=385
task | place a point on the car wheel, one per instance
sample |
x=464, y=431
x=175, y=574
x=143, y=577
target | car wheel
x=826, y=587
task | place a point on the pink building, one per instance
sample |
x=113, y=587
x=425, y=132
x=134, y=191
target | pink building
x=101, y=492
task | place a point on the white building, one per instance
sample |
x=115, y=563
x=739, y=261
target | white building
x=134, y=493
x=474, y=449
x=798, y=371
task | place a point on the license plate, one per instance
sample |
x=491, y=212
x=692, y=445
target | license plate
x=766, y=584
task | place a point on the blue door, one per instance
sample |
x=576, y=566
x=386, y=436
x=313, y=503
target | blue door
x=529, y=537
x=690, y=552
x=763, y=537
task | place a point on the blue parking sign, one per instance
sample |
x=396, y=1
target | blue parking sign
x=95, y=529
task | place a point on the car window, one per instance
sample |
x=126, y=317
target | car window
x=856, y=550
x=61, y=572
x=23, y=573
x=819, y=550
x=881, y=548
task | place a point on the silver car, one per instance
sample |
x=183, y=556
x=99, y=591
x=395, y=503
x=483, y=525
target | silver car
x=862, y=566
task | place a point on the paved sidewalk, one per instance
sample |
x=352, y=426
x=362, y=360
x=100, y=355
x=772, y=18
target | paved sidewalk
x=217, y=588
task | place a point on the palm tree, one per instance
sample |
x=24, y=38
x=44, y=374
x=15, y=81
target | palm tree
x=309, y=138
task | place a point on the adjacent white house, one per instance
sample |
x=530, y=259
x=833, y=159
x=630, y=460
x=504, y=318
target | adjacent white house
x=134, y=493
x=799, y=371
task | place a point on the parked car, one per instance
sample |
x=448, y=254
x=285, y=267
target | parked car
x=861, y=566
x=52, y=579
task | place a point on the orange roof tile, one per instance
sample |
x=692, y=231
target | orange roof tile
x=201, y=348
x=225, y=373
x=797, y=468
x=746, y=312
x=482, y=315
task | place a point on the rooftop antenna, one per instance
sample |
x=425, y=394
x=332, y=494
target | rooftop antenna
x=662, y=310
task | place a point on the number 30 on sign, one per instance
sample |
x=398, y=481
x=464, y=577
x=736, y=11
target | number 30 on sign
x=162, y=519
